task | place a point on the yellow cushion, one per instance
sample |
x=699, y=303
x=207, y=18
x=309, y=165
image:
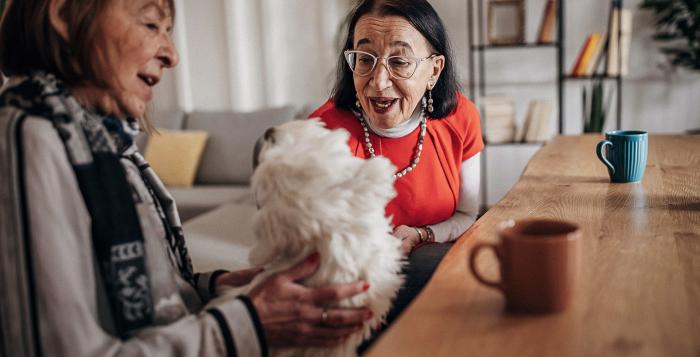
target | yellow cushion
x=175, y=154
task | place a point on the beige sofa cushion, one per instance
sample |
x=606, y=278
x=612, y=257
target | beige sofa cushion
x=228, y=157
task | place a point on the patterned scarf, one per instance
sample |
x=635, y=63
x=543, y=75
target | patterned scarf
x=94, y=144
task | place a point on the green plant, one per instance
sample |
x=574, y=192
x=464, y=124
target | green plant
x=678, y=24
x=595, y=108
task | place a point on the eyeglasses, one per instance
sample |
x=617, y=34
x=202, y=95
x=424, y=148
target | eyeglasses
x=401, y=67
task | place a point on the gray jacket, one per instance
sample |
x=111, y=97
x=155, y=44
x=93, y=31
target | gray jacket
x=53, y=300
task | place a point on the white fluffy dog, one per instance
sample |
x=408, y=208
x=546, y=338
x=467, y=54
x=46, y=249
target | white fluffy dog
x=315, y=196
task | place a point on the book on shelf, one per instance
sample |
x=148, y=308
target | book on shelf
x=577, y=63
x=499, y=115
x=548, y=23
x=585, y=56
x=537, y=126
x=600, y=66
x=596, y=57
x=625, y=39
x=620, y=33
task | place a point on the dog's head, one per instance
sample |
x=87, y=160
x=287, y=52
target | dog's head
x=296, y=153
x=307, y=184
x=298, y=135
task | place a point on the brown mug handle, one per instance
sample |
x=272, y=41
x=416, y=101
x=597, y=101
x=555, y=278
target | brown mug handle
x=472, y=265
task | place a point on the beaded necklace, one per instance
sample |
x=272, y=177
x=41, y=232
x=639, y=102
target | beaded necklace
x=419, y=146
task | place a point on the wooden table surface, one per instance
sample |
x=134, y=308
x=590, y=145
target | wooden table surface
x=639, y=292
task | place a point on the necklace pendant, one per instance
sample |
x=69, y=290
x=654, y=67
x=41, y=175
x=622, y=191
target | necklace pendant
x=419, y=145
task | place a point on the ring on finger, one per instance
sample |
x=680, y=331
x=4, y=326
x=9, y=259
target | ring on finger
x=324, y=316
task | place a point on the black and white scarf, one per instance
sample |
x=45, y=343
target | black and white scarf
x=94, y=144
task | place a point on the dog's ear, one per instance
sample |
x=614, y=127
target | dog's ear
x=280, y=232
x=270, y=242
x=271, y=178
x=268, y=136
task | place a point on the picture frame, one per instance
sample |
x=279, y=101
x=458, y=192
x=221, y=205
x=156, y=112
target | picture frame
x=506, y=22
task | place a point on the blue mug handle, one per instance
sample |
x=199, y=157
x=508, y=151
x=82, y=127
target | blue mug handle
x=599, y=151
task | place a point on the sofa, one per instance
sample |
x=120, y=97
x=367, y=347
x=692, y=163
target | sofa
x=217, y=210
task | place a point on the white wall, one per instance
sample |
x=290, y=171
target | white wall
x=251, y=54
x=248, y=54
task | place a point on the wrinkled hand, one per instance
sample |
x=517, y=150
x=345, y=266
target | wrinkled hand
x=409, y=237
x=295, y=315
x=235, y=279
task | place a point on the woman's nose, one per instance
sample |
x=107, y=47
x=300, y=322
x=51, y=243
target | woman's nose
x=381, y=78
x=168, y=54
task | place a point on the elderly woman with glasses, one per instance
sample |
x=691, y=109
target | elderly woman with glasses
x=92, y=253
x=397, y=94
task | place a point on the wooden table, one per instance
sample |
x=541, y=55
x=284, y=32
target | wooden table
x=639, y=292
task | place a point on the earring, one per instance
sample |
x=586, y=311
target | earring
x=357, y=103
x=430, y=98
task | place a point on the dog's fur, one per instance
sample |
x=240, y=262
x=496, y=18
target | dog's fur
x=313, y=195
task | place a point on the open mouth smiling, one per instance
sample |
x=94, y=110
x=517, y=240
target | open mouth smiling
x=382, y=104
x=150, y=80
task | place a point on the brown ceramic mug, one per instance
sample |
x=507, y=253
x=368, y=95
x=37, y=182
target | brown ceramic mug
x=539, y=264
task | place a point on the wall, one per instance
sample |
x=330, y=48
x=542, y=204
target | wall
x=248, y=54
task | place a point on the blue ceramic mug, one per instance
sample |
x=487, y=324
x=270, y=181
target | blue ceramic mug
x=626, y=155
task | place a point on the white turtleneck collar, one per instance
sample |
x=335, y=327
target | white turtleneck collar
x=400, y=130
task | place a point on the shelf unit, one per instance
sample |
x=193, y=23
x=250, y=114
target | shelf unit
x=478, y=47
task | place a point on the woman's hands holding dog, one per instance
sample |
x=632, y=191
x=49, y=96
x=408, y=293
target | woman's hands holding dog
x=295, y=315
x=409, y=237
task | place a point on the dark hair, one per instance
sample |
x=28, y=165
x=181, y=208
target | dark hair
x=28, y=41
x=424, y=19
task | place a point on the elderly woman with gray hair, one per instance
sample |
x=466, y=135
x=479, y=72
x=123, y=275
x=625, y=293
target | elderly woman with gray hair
x=94, y=261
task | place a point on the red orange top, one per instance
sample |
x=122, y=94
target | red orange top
x=429, y=193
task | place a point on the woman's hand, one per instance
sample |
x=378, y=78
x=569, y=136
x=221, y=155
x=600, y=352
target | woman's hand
x=296, y=315
x=409, y=237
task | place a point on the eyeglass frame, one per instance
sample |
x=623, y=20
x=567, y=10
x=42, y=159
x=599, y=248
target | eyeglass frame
x=418, y=61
